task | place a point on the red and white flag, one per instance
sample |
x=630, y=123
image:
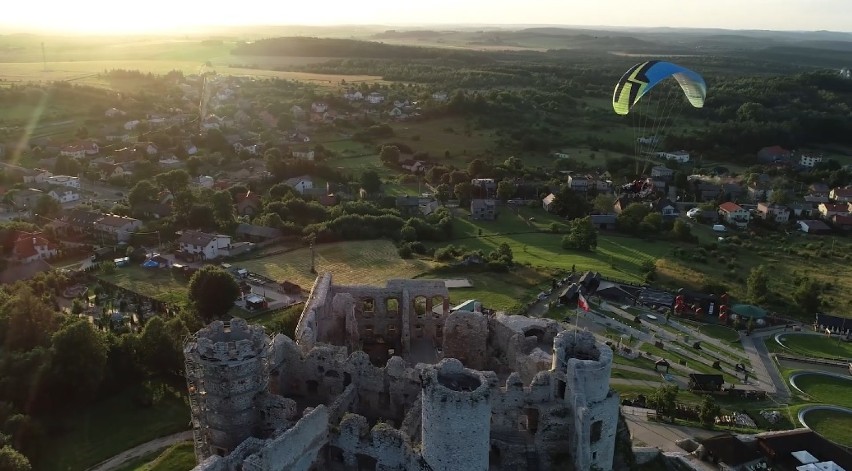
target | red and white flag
x=582, y=303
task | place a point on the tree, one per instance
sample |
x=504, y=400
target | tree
x=223, y=208
x=757, y=284
x=212, y=291
x=442, y=193
x=505, y=190
x=682, y=231
x=652, y=222
x=193, y=165
x=664, y=400
x=582, y=235
x=29, y=321
x=708, y=411
x=77, y=361
x=12, y=460
x=631, y=217
x=389, y=156
x=174, y=181
x=603, y=203
x=142, y=192
x=47, y=207
x=570, y=204
x=514, y=163
x=779, y=197
x=476, y=167
x=371, y=182
x=807, y=296
x=462, y=191
x=159, y=352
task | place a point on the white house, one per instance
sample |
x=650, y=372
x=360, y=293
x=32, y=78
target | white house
x=72, y=150
x=208, y=246
x=131, y=125
x=151, y=148
x=319, y=107
x=375, y=98
x=113, y=112
x=439, y=96
x=809, y=160
x=31, y=247
x=353, y=95
x=63, y=194
x=303, y=155
x=37, y=176
x=300, y=184
x=772, y=212
x=734, y=214
x=117, y=228
x=191, y=149
x=547, y=202
x=64, y=180
x=680, y=156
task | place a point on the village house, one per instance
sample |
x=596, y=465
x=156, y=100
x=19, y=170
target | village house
x=63, y=194
x=547, y=202
x=169, y=162
x=108, y=171
x=375, y=98
x=205, y=181
x=413, y=166
x=578, y=183
x=842, y=221
x=604, y=221
x=819, y=189
x=679, y=156
x=665, y=207
x=809, y=161
x=773, y=212
x=113, y=113
x=829, y=210
x=440, y=97
x=484, y=187
x=813, y=226
x=408, y=205
x=353, y=95
x=248, y=203
x=303, y=154
x=64, y=180
x=841, y=195
x=319, y=107
x=76, y=221
x=773, y=154
x=36, y=176
x=734, y=214
x=116, y=228
x=661, y=172
x=301, y=184
x=483, y=209
x=131, y=125
x=31, y=247
x=202, y=245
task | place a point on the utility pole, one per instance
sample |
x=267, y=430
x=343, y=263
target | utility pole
x=313, y=256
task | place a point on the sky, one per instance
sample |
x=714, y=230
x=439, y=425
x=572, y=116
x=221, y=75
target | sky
x=151, y=16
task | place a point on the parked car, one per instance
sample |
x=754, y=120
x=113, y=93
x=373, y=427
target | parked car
x=693, y=213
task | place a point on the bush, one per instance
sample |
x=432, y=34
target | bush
x=405, y=251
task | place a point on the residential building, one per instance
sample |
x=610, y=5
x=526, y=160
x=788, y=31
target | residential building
x=116, y=228
x=64, y=180
x=408, y=205
x=604, y=221
x=304, y=154
x=841, y=195
x=841, y=221
x=63, y=194
x=578, y=183
x=440, y=96
x=77, y=221
x=773, y=154
x=813, y=226
x=36, y=176
x=26, y=198
x=253, y=233
x=108, y=171
x=809, y=161
x=169, y=162
x=203, y=245
x=301, y=184
x=621, y=203
x=413, y=166
x=819, y=189
x=734, y=214
x=319, y=107
x=248, y=204
x=679, y=156
x=484, y=209
x=484, y=187
x=828, y=210
x=547, y=202
x=113, y=112
x=353, y=95
x=665, y=207
x=375, y=98
x=205, y=181
x=773, y=212
x=31, y=247
x=661, y=172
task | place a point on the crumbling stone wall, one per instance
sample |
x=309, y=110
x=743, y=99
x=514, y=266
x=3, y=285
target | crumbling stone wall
x=465, y=338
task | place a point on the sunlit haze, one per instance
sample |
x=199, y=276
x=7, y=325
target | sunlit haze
x=102, y=16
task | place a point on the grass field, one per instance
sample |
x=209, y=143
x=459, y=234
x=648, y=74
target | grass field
x=725, y=334
x=356, y=262
x=833, y=425
x=818, y=346
x=827, y=389
x=95, y=433
x=625, y=374
x=178, y=457
x=157, y=283
x=501, y=291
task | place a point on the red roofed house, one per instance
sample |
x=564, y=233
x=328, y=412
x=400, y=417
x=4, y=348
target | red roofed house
x=829, y=210
x=842, y=221
x=734, y=214
x=841, y=195
x=248, y=204
x=31, y=247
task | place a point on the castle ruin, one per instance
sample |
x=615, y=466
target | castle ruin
x=390, y=379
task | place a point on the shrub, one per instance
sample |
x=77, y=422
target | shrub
x=405, y=251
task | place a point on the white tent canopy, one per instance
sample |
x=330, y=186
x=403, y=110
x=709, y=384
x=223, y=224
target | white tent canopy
x=823, y=466
x=804, y=457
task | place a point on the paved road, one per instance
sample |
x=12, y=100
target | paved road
x=662, y=436
x=142, y=450
x=764, y=366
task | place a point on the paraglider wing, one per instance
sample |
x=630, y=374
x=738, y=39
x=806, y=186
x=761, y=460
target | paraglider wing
x=641, y=78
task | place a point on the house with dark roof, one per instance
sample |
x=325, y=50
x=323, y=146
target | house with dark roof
x=782, y=449
x=730, y=451
x=813, y=226
x=254, y=233
x=26, y=198
x=663, y=173
x=705, y=382
x=248, y=204
x=842, y=221
x=841, y=195
x=603, y=221
x=204, y=246
x=483, y=209
x=77, y=221
x=665, y=207
x=408, y=205
x=116, y=228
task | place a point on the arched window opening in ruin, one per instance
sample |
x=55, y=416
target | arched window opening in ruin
x=366, y=463
x=535, y=332
x=392, y=307
x=437, y=306
x=494, y=458
x=347, y=379
x=334, y=454
x=596, y=431
x=419, y=306
x=560, y=389
x=368, y=306
x=532, y=419
x=332, y=374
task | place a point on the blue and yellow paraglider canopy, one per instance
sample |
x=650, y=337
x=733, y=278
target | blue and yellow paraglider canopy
x=641, y=78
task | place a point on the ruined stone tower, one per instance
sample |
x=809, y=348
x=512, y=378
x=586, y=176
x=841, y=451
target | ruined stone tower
x=226, y=368
x=582, y=368
x=455, y=417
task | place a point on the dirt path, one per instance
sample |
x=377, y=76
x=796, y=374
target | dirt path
x=141, y=450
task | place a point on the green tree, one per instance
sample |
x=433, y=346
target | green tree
x=664, y=400
x=476, y=168
x=12, y=460
x=142, y=192
x=29, y=321
x=505, y=190
x=47, y=207
x=193, y=166
x=389, y=156
x=158, y=351
x=708, y=411
x=807, y=296
x=370, y=182
x=652, y=222
x=77, y=361
x=462, y=191
x=442, y=193
x=582, y=235
x=603, y=203
x=757, y=284
x=175, y=181
x=570, y=204
x=779, y=196
x=212, y=291
x=682, y=231
x=223, y=208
